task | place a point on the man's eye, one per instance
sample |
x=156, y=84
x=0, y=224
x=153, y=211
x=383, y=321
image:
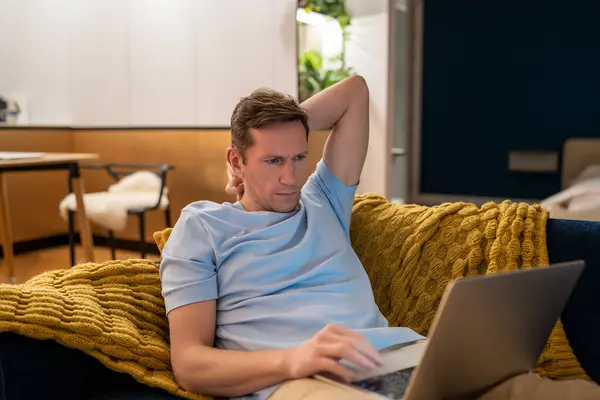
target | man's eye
x=273, y=161
x=300, y=157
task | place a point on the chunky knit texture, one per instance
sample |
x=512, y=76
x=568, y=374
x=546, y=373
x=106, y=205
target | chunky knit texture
x=411, y=252
x=114, y=311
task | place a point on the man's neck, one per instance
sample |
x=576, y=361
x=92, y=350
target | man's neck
x=250, y=205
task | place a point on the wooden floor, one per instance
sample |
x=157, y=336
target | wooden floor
x=31, y=264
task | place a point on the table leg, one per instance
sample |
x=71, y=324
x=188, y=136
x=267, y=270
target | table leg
x=6, y=231
x=85, y=231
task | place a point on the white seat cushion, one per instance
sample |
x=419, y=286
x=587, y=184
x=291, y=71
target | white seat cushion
x=109, y=209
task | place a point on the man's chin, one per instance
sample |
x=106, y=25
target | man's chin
x=285, y=210
x=287, y=206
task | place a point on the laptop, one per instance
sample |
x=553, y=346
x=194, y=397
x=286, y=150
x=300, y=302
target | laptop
x=487, y=329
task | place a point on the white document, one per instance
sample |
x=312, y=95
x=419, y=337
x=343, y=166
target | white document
x=18, y=155
x=396, y=359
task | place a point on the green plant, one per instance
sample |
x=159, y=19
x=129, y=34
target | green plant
x=312, y=77
x=332, y=8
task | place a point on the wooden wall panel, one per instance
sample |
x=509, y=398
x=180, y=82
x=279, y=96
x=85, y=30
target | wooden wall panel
x=34, y=197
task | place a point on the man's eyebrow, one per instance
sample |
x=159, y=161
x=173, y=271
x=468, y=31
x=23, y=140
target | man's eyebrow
x=270, y=156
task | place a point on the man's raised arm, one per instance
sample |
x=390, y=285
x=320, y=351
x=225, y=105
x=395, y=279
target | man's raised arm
x=345, y=108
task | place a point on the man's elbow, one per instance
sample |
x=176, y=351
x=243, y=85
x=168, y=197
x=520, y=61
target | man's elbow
x=185, y=377
x=188, y=373
x=194, y=373
x=360, y=84
x=198, y=380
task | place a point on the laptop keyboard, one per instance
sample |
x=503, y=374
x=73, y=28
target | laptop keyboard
x=392, y=385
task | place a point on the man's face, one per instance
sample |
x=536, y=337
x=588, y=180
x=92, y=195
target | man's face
x=275, y=167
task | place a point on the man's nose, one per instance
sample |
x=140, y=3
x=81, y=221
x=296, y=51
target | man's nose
x=288, y=174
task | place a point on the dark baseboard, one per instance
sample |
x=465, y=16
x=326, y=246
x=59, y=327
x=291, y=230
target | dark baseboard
x=27, y=246
x=125, y=244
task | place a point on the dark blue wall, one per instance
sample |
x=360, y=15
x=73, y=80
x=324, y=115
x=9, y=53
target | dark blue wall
x=499, y=76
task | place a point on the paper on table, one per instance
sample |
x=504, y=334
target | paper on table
x=16, y=155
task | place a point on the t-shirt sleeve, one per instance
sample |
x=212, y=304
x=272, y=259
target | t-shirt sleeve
x=341, y=197
x=187, y=269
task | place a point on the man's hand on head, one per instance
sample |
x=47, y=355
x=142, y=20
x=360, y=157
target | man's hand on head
x=235, y=186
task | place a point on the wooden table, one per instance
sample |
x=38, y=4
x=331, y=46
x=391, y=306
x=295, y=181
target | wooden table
x=47, y=162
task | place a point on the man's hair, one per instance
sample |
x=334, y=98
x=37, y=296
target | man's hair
x=262, y=107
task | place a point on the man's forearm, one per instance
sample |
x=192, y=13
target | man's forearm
x=329, y=105
x=230, y=373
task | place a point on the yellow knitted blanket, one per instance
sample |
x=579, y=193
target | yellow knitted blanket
x=411, y=252
x=114, y=311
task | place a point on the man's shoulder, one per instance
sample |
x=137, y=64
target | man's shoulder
x=205, y=209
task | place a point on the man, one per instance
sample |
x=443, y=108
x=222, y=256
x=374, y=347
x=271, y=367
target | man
x=268, y=288
x=271, y=277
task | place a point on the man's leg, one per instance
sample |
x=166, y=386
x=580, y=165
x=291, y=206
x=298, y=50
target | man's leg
x=44, y=369
x=314, y=389
x=533, y=387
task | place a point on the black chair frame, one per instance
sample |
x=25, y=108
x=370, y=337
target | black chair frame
x=117, y=171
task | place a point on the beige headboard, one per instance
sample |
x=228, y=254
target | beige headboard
x=578, y=153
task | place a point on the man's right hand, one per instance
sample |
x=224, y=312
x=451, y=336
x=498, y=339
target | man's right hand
x=322, y=353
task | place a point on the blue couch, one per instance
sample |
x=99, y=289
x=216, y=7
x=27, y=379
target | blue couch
x=572, y=240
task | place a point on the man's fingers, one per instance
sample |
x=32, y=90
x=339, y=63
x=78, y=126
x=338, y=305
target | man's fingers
x=231, y=189
x=340, y=330
x=370, y=352
x=235, y=181
x=234, y=186
x=349, y=353
x=335, y=368
x=359, y=342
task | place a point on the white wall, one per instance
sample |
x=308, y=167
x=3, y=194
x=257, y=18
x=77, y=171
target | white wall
x=260, y=41
x=100, y=62
x=33, y=63
x=367, y=52
x=162, y=44
x=143, y=62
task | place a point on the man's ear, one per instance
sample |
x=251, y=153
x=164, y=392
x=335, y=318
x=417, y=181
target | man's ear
x=234, y=160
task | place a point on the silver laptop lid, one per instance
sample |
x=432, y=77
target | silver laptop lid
x=490, y=328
